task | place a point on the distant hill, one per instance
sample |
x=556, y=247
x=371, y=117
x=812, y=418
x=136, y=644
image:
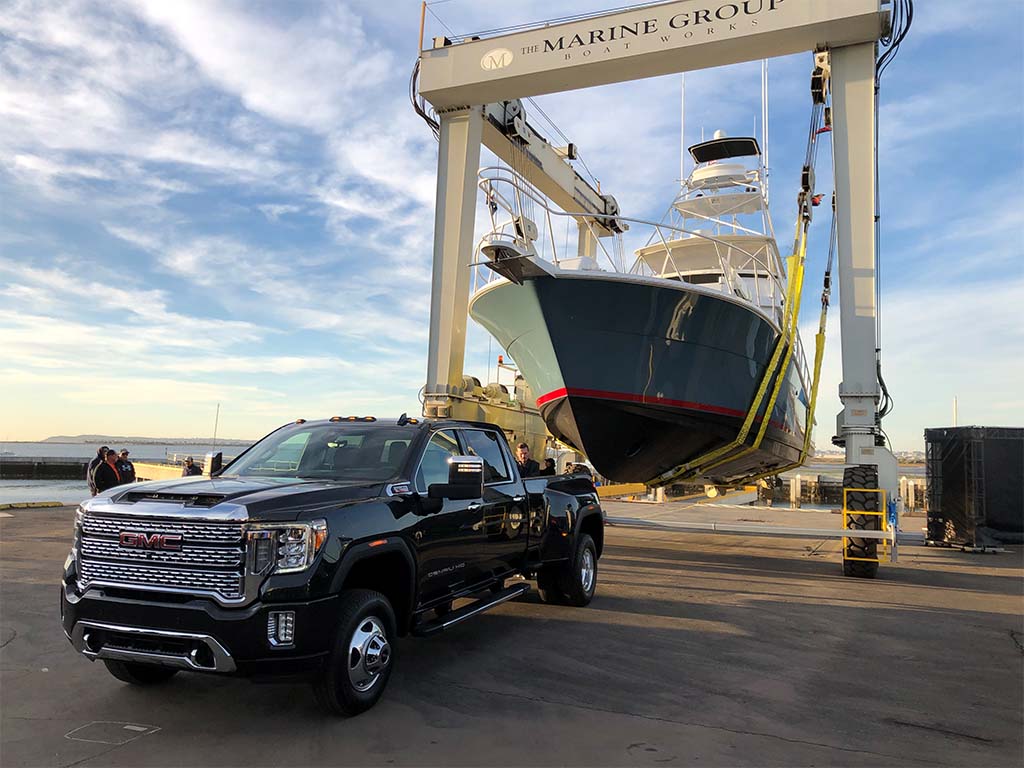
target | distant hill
x=108, y=439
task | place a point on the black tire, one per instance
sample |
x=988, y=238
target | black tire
x=862, y=476
x=579, y=582
x=137, y=673
x=362, y=654
x=567, y=585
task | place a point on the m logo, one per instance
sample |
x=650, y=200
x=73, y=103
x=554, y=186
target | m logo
x=499, y=58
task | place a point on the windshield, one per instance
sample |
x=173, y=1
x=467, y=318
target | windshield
x=327, y=452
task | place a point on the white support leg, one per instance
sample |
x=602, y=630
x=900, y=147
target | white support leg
x=458, y=161
x=853, y=136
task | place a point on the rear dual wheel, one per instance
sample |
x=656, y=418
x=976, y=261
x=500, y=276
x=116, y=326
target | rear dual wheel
x=575, y=582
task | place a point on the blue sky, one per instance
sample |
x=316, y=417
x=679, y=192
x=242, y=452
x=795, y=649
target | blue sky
x=206, y=201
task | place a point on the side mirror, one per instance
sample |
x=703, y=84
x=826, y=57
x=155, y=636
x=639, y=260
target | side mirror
x=465, y=479
x=214, y=463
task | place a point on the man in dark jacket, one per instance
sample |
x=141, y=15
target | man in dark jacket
x=125, y=467
x=106, y=474
x=527, y=466
x=191, y=468
x=91, y=469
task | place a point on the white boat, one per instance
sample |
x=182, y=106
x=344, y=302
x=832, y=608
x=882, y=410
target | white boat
x=659, y=365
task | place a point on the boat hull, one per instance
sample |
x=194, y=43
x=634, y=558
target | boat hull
x=642, y=377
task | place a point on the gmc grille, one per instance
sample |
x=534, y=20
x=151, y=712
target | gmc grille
x=209, y=562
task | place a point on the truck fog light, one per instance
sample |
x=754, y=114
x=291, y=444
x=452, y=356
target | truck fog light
x=281, y=628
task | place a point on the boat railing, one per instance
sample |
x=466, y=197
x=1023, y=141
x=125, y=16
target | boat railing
x=514, y=205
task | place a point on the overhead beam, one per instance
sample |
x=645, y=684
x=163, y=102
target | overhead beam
x=645, y=42
x=542, y=166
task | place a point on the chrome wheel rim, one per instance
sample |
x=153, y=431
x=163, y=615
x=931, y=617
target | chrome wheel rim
x=587, y=570
x=369, y=654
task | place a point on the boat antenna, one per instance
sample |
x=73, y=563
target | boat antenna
x=682, y=128
x=764, y=128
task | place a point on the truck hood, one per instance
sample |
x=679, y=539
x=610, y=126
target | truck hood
x=259, y=499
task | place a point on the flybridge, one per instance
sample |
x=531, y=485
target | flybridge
x=730, y=14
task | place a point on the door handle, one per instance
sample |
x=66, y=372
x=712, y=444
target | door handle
x=518, y=499
x=473, y=507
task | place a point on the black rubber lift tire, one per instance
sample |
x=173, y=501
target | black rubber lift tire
x=137, y=673
x=362, y=655
x=861, y=476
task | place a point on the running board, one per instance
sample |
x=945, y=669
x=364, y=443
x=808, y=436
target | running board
x=474, y=608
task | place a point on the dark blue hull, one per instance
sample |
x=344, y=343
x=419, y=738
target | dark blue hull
x=643, y=377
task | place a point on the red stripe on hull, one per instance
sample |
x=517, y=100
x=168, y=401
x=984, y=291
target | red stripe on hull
x=645, y=399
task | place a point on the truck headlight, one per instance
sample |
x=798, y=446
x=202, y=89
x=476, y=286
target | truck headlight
x=289, y=548
x=76, y=534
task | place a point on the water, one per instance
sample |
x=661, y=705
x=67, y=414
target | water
x=138, y=451
x=64, y=491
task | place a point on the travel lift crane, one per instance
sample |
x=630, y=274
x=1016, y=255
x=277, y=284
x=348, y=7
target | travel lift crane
x=467, y=83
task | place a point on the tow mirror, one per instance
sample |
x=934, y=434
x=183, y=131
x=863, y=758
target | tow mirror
x=214, y=463
x=465, y=479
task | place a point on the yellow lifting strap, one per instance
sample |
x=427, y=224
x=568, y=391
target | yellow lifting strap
x=819, y=354
x=781, y=355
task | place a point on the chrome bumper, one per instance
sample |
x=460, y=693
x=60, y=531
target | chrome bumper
x=91, y=639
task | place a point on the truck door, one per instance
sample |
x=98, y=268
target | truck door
x=503, y=514
x=447, y=539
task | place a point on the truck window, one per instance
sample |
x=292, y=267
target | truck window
x=345, y=452
x=282, y=457
x=434, y=465
x=486, y=446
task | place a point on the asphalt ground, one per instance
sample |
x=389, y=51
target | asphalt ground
x=697, y=650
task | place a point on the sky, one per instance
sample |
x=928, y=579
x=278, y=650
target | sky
x=208, y=202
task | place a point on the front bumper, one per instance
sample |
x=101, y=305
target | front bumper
x=196, y=635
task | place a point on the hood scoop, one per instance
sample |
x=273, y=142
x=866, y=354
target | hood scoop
x=188, y=499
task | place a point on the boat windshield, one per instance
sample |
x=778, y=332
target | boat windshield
x=345, y=452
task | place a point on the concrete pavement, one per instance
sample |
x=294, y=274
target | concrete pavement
x=702, y=650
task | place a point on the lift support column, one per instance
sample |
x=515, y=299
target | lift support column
x=458, y=160
x=853, y=137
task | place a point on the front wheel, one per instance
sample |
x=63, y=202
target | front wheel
x=363, y=655
x=137, y=673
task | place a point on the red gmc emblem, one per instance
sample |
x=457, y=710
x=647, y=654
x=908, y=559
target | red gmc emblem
x=150, y=540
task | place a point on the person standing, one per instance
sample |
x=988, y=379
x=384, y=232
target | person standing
x=106, y=475
x=549, y=468
x=125, y=467
x=191, y=469
x=101, y=454
x=527, y=466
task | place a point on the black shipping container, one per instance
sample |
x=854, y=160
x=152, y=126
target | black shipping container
x=975, y=479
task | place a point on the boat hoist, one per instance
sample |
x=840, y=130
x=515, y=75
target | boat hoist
x=459, y=77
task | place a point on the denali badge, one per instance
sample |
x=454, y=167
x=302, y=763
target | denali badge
x=150, y=540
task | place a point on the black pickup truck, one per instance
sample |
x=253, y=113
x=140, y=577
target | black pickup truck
x=312, y=551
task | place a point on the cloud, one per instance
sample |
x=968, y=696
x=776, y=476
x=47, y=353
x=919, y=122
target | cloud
x=230, y=195
x=308, y=70
x=940, y=342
